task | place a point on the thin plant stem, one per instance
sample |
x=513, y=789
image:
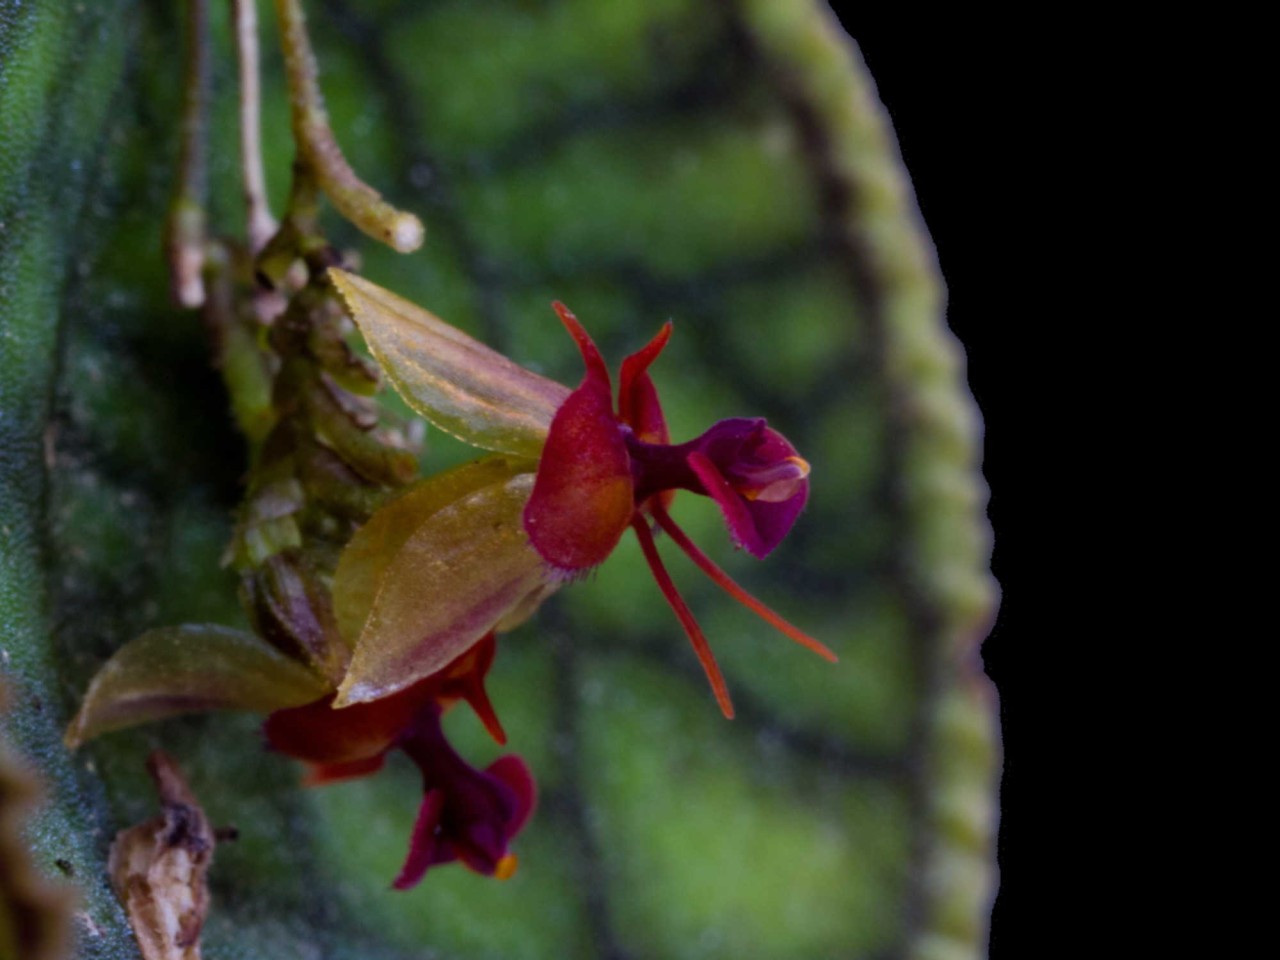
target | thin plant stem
x=260, y=225
x=185, y=226
x=319, y=151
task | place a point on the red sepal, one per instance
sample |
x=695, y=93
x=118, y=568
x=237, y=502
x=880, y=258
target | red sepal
x=326, y=737
x=322, y=774
x=583, y=497
x=638, y=404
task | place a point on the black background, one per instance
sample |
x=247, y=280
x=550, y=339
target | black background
x=964, y=93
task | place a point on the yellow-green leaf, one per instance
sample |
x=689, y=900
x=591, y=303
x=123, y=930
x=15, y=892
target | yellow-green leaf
x=189, y=668
x=457, y=383
x=460, y=574
x=366, y=557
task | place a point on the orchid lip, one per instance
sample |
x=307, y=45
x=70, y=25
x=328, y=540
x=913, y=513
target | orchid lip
x=467, y=814
x=730, y=444
x=771, y=482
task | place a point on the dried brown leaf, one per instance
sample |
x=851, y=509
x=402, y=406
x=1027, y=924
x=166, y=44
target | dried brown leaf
x=35, y=915
x=158, y=869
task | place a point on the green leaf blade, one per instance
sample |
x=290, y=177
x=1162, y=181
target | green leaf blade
x=191, y=668
x=455, y=382
x=461, y=573
x=364, y=562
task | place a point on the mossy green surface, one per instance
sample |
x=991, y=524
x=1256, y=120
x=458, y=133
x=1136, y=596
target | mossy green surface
x=640, y=162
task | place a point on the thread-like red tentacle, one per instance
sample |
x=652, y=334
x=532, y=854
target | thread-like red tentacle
x=685, y=615
x=727, y=584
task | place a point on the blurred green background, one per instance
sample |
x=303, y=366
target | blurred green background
x=725, y=165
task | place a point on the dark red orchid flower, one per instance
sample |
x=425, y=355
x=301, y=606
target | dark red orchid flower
x=602, y=471
x=466, y=814
x=486, y=544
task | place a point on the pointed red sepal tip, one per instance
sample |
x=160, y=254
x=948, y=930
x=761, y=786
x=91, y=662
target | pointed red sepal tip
x=638, y=404
x=596, y=367
x=464, y=678
x=731, y=587
x=696, y=637
x=478, y=698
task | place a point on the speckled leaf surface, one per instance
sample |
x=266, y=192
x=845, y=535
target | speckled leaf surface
x=725, y=165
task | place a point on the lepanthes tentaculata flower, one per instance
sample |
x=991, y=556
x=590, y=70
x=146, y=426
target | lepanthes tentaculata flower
x=466, y=814
x=478, y=548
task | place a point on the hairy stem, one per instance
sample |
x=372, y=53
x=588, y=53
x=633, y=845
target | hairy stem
x=260, y=225
x=185, y=225
x=319, y=151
